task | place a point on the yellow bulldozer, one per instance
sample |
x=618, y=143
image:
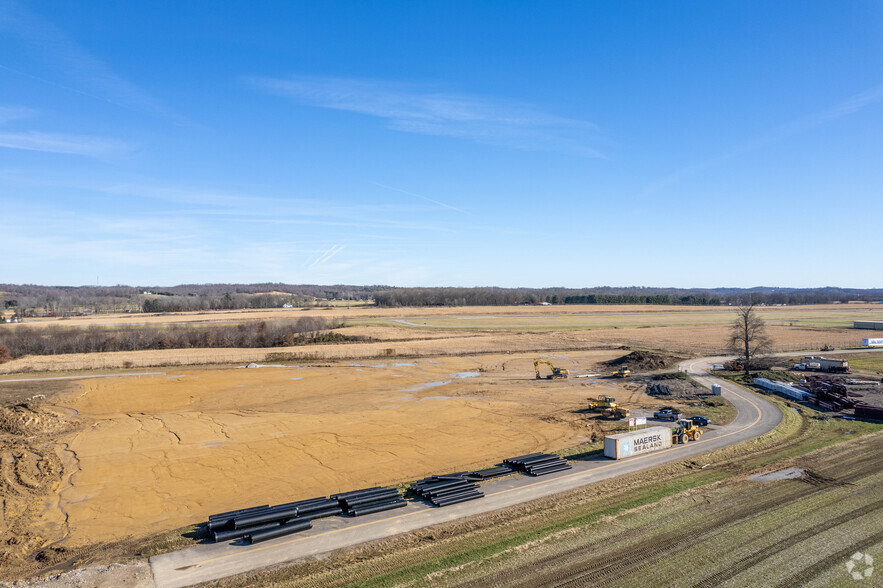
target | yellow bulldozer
x=622, y=372
x=606, y=405
x=556, y=371
x=685, y=430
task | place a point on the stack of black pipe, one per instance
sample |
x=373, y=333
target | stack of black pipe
x=260, y=523
x=447, y=489
x=538, y=464
x=369, y=500
x=488, y=473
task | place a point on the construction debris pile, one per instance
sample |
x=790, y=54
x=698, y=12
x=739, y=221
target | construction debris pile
x=538, y=464
x=447, y=489
x=369, y=500
x=827, y=393
x=658, y=390
x=830, y=394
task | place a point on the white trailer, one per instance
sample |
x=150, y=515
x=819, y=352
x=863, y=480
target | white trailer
x=872, y=342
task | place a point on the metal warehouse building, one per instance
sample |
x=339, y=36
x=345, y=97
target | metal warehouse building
x=874, y=325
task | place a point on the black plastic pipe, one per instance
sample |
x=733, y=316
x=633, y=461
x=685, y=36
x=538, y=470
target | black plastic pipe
x=462, y=498
x=267, y=517
x=355, y=492
x=357, y=512
x=520, y=457
x=302, y=510
x=318, y=514
x=227, y=522
x=236, y=512
x=280, y=531
x=236, y=533
x=351, y=502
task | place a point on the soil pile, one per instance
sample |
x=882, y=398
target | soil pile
x=644, y=360
x=27, y=420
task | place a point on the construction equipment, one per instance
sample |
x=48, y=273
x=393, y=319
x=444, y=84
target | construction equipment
x=622, y=372
x=556, y=371
x=685, y=430
x=735, y=365
x=606, y=405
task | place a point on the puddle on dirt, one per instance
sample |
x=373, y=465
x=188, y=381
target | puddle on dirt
x=426, y=385
x=462, y=375
x=173, y=377
x=295, y=379
x=788, y=474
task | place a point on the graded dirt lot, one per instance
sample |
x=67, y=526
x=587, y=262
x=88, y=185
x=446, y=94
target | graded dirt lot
x=154, y=453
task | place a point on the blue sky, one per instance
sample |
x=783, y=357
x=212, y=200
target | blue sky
x=690, y=144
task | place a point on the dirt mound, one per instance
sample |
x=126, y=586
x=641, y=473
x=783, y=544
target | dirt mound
x=28, y=420
x=644, y=360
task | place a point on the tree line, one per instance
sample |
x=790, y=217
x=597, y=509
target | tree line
x=23, y=340
x=32, y=300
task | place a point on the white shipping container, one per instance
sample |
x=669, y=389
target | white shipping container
x=638, y=442
x=872, y=342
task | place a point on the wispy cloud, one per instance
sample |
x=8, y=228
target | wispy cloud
x=324, y=256
x=426, y=198
x=60, y=143
x=11, y=113
x=414, y=109
x=69, y=59
x=845, y=108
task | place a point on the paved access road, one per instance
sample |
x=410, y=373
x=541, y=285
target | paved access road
x=211, y=561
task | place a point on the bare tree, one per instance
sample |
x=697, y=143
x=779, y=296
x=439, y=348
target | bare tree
x=748, y=336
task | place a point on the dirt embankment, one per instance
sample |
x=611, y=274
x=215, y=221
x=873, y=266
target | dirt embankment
x=33, y=467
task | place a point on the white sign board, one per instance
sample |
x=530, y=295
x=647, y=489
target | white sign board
x=640, y=421
x=631, y=422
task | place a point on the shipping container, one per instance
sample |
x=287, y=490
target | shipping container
x=638, y=442
x=872, y=342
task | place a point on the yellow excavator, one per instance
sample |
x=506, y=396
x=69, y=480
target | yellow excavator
x=556, y=371
x=608, y=408
x=686, y=429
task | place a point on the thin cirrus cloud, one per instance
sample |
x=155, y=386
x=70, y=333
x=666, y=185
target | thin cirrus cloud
x=411, y=109
x=68, y=60
x=59, y=143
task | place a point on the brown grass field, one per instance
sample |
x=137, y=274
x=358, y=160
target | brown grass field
x=427, y=332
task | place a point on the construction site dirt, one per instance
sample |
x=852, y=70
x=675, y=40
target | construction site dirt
x=126, y=446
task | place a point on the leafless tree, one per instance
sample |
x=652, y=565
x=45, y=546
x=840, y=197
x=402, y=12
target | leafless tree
x=748, y=336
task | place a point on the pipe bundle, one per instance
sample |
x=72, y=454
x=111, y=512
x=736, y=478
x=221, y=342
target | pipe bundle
x=538, y=464
x=369, y=500
x=488, y=473
x=447, y=489
x=260, y=523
